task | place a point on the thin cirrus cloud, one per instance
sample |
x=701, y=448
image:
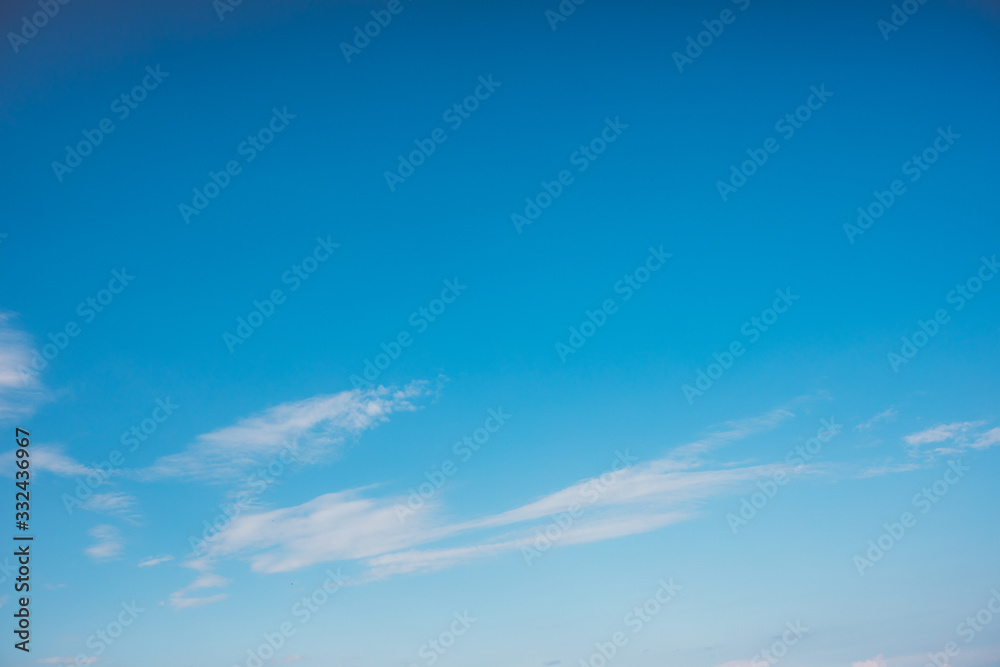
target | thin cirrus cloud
x=115, y=503
x=356, y=526
x=311, y=430
x=108, y=544
x=987, y=439
x=580, y=532
x=181, y=600
x=887, y=469
x=313, y=427
x=877, y=661
x=732, y=431
x=952, y=438
x=51, y=458
x=889, y=414
x=940, y=433
x=20, y=392
x=154, y=560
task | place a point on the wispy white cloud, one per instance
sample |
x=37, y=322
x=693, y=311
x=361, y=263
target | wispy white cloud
x=586, y=529
x=356, y=525
x=20, y=391
x=53, y=459
x=313, y=428
x=733, y=431
x=987, y=439
x=154, y=560
x=877, y=661
x=889, y=414
x=642, y=499
x=108, y=545
x=181, y=600
x=115, y=502
x=940, y=433
x=887, y=469
x=335, y=526
x=952, y=438
x=349, y=526
x=84, y=660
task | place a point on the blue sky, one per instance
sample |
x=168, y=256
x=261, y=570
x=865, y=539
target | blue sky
x=481, y=410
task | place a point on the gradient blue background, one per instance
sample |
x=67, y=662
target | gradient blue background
x=323, y=176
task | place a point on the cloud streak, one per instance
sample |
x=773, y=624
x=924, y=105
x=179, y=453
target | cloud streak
x=354, y=525
x=108, y=545
x=52, y=459
x=940, y=433
x=181, y=600
x=959, y=436
x=732, y=431
x=314, y=428
x=877, y=661
x=889, y=414
x=155, y=560
x=20, y=392
x=115, y=503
